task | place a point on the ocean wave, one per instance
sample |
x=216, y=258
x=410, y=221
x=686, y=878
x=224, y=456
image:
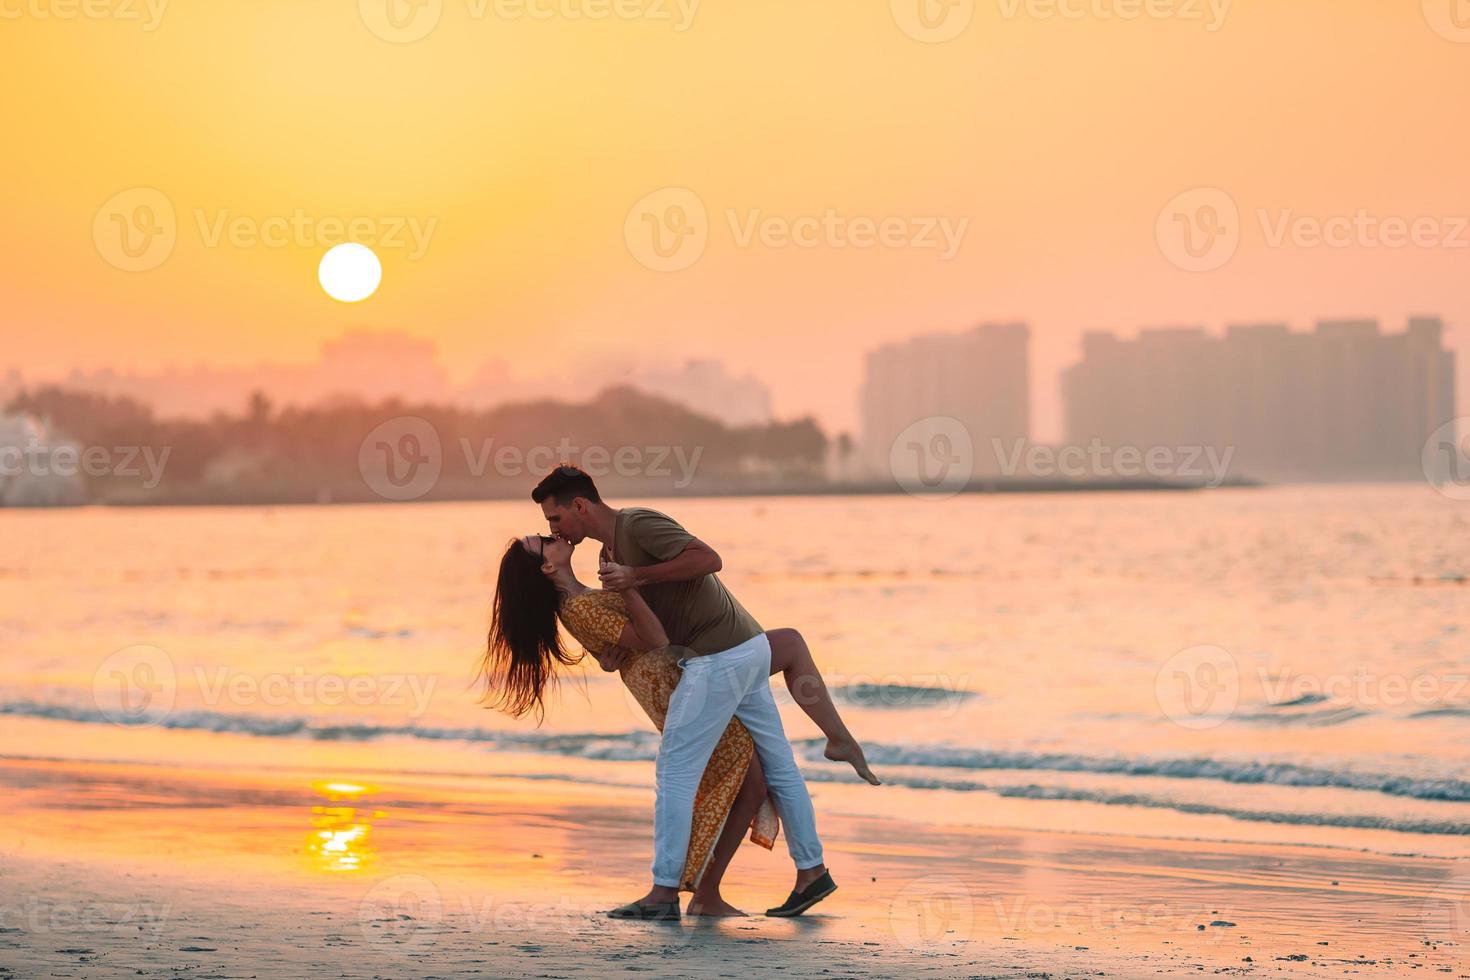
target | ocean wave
x=1230, y=771
x=1356, y=821
x=1445, y=711
x=1323, y=718
x=643, y=746
x=1301, y=702
x=634, y=745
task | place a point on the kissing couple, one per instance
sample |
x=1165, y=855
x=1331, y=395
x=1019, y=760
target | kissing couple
x=696, y=662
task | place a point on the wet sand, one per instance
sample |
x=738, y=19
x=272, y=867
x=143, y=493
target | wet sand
x=112, y=870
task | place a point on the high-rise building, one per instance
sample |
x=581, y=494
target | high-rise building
x=705, y=386
x=1343, y=402
x=975, y=382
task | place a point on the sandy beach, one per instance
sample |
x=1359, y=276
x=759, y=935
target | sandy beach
x=113, y=870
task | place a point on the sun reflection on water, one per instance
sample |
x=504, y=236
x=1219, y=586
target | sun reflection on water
x=341, y=835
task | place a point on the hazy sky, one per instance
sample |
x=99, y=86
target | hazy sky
x=497, y=160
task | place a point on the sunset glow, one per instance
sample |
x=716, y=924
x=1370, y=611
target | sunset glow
x=493, y=162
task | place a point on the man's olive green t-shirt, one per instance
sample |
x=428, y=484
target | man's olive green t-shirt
x=699, y=614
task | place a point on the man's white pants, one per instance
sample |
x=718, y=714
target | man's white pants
x=713, y=688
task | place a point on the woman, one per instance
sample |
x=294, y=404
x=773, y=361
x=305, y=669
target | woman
x=536, y=586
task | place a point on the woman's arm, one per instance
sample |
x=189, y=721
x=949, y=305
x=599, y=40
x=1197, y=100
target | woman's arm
x=644, y=631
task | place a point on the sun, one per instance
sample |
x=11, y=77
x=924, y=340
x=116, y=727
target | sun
x=350, y=272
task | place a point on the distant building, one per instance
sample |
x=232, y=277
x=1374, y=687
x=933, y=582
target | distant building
x=1343, y=402
x=979, y=378
x=706, y=387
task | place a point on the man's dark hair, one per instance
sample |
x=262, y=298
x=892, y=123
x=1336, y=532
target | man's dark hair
x=565, y=484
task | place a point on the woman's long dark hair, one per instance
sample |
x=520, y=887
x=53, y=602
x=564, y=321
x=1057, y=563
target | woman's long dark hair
x=524, y=645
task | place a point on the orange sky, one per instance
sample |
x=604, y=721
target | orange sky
x=524, y=141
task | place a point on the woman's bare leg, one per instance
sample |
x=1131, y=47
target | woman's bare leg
x=706, y=899
x=792, y=657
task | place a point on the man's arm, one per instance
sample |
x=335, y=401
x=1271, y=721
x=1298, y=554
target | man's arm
x=695, y=560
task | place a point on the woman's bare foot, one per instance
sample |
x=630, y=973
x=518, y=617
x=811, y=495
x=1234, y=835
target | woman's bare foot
x=712, y=906
x=852, y=754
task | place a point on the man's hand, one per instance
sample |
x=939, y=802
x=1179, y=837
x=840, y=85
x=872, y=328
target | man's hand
x=619, y=578
x=613, y=659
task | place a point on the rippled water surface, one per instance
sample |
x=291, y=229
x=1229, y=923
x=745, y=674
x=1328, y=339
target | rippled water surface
x=1275, y=662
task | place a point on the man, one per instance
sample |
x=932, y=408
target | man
x=726, y=661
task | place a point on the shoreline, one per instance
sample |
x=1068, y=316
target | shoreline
x=205, y=497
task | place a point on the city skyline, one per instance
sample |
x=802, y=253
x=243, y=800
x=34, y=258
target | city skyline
x=979, y=377
x=594, y=368
x=1342, y=401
